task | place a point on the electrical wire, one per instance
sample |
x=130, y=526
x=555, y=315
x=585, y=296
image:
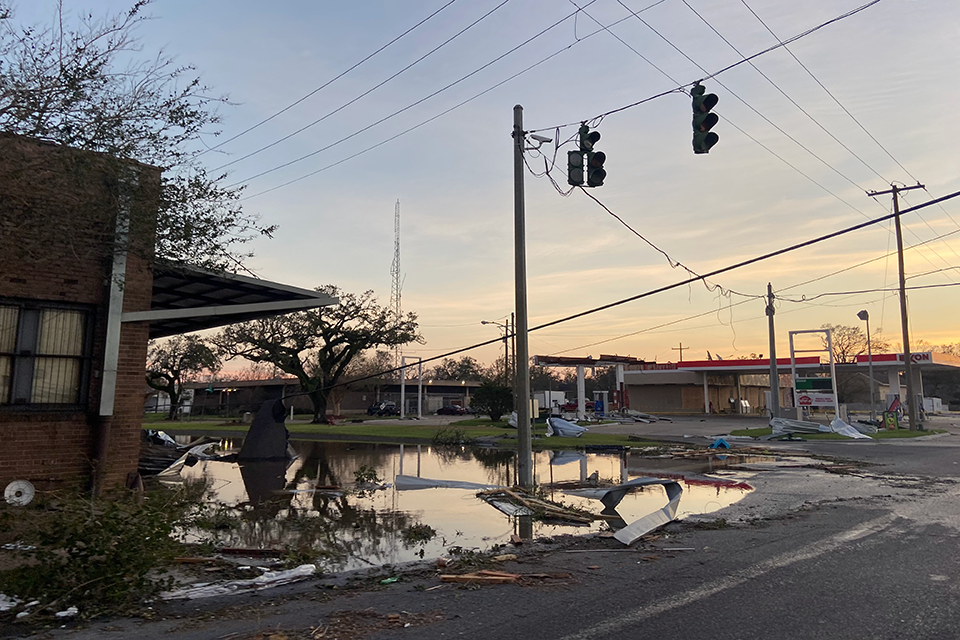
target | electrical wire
x=327, y=83
x=404, y=109
x=664, y=288
x=366, y=93
x=861, y=291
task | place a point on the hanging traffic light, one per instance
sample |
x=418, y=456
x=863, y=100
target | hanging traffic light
x=703, y=119
x=575, y=168
x=595, y=171
x=594, y=160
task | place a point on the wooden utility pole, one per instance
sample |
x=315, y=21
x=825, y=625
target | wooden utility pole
x=914, y=411
x=774, y=376
x=680, y=349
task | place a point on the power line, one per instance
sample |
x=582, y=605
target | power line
x=652, y=292
x=328, y=82
x=437, y=116
x=366, y=93
x=409, y=106
x=861, y=291
x=629, y=106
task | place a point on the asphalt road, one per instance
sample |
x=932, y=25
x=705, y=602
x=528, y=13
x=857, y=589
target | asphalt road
x=871, y=554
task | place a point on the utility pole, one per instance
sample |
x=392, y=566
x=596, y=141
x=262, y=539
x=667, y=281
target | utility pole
x=907, y=359
x=512, y=367
x=774, y=376
x=521, y=353
x=680, y=349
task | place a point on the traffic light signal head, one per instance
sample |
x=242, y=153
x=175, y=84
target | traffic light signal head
x=575, y=168
x=703, y=119
x=595, y=170
x=588, y=138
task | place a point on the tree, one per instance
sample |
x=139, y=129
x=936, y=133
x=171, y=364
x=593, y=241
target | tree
x=318, y=346
x=79, y=83
x=493, y=399
x=850, y=342
x=175, y=361
x=466, y=368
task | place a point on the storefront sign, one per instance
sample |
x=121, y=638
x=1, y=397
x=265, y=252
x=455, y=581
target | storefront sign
x=814, y=399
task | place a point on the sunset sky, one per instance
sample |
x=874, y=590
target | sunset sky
x=890, y=68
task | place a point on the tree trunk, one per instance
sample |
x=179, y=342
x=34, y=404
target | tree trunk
x=174, y=402
x=319, y=407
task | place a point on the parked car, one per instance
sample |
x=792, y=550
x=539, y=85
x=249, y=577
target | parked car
x=386, y=408
x=451, y=410
x=572, y=406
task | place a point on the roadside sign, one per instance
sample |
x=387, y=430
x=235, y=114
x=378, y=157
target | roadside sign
x=814, y=399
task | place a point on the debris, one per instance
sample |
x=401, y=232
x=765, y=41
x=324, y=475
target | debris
x=504, y=557
x=844, y=429
x=498, y=574
x=564, y=428
x=411, y=483
x=678, y=549
x=267, y=438
x=515, y=539
x=252, y=553
x=17, y=546
x=719, y=443
x=473, y=578
x=19, y=493
x=439, y=586
x=782, y=426
x=594, y=566
x=599, y=551
x=513, y=503
x=611, y=497
x=390, y=580
x=8, y=602
x=442, y=562
x=69, y=612
x=267, y=580
x=198, y=452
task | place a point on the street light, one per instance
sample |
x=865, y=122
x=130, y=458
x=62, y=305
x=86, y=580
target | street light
x=506, y=349
x=863, y=315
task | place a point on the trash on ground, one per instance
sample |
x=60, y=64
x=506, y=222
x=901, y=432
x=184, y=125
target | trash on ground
x=476, y=578
x=410, y=483
x=505, y=557
x=719, y=443
x=564, y=428
x=190, y=458
x=19, y=493
x=784, y=426
x=69, y=612
x=265, y=581
x=8, y=602
x=519, y=503
x=844, y=429
x=390, y=580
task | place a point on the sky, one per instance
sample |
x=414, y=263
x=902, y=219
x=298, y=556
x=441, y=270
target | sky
x=852, y=107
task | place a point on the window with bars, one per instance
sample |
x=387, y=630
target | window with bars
x=44, y=354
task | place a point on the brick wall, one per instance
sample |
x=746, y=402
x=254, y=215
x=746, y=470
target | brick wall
x=57, y=216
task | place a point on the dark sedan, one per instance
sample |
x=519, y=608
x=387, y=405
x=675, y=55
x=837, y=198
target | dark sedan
x=451, y=410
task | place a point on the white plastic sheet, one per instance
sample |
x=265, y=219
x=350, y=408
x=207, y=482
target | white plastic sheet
x=266, y=581
x=841, y=427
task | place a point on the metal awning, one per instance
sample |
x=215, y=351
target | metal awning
x=189, y=299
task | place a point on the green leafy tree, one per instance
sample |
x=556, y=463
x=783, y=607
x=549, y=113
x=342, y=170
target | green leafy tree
x=466, y=368
x=493, y=399
x=319, y=345
x=82, y=82
x=177, y=360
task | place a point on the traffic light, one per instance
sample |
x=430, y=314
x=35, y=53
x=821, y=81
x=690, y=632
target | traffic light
x=594, y=170
x=575, y=168
x=703, y=120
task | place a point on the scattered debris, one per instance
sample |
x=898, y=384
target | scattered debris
x=515, y=539
x=844, y=429
x=411, y=483
x=268, y=437
x=390, y=580
x=267, y=580
x=564, y=428
x=19, y=493
x=518, y=503
x=784, y=426
x=8, y=602
x=504, y=557
x=719, y=443
x=69, y=612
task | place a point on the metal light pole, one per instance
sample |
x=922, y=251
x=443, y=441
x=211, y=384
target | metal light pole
x=506, y=348
x=863, y=315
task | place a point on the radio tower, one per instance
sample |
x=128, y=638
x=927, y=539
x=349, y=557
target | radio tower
x=395, y=280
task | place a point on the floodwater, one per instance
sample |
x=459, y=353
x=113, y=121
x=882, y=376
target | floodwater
x=315, y=502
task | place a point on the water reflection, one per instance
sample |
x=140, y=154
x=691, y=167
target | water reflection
x=312, y=505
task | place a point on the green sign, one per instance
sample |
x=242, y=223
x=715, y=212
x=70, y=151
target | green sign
x=814, y=384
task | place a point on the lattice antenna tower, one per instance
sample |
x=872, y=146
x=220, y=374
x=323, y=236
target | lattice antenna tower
x=395, y=283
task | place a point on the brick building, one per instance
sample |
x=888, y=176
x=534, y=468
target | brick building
x=58, y=274
x=80, y=297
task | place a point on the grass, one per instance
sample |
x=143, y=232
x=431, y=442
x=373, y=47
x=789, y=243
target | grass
x=472, y=428
x=880, y=435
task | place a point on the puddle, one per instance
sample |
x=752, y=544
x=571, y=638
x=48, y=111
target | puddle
x=280, y=505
